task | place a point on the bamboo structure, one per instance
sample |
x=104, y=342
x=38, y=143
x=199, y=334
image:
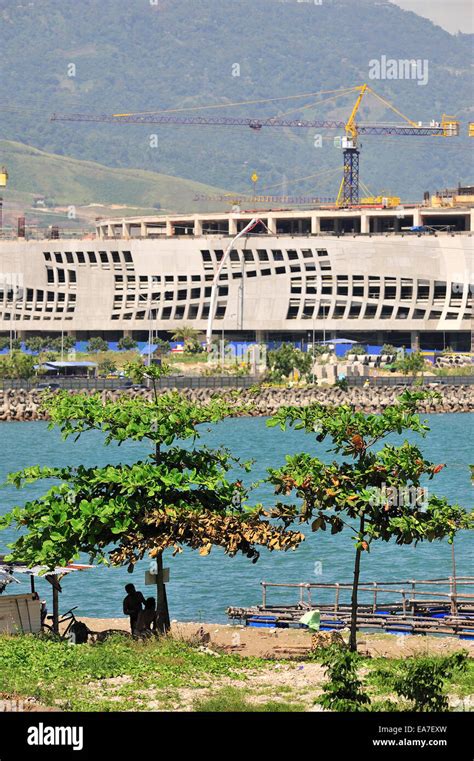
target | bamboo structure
x=417, y=606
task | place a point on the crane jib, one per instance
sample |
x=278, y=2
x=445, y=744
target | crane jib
x=255, y=124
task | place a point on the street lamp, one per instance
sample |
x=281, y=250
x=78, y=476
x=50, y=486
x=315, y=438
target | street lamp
x=215, y=282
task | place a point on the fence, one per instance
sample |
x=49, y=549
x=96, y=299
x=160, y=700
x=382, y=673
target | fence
x=406, y=595
x=452, y=380
x=112, y=384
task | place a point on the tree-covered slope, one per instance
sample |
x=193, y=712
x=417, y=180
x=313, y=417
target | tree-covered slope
x=142, y=55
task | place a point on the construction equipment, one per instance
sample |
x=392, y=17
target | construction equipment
x=3, y=184
x=349, y=188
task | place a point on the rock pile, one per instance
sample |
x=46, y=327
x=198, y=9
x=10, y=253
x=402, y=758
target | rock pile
x=22, y=405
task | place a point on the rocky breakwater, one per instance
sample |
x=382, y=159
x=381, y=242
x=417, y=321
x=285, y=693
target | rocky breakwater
x=22, y=405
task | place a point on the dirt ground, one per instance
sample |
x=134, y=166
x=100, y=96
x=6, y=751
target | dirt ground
x=285, y=643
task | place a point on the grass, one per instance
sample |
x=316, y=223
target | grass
x=169, y=674
x=74, y=182
x=461, y=685
x=119, y=674
x=233, y=700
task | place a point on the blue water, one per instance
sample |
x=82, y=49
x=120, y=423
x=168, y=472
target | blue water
x=201, y=588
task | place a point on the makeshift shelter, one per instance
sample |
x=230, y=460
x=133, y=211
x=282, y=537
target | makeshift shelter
x=13, y=613
x=69, y=369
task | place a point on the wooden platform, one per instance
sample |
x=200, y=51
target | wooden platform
x=417, y=609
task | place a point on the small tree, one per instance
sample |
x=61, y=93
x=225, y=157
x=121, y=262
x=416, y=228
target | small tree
x=17, y=365
x=374, y=495
x=107, y=366
x=389, y=349
x=188, y=335
x=127, y=343
x=35, y=343
x=421, y=679
x=413, y=364
x=61, y=344
x=344, y=690
x=174, y=497
x=357, y=350
x=287, y=358
x=97, y=344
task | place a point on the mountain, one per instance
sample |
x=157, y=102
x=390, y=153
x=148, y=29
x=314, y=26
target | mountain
x=91, y=188
x=97, y=56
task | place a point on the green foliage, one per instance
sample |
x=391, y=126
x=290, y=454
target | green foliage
x=353, y=494
x=343, y=691
x=124, y=58
x=421, y=680
x=319, y=349
x=389, y=349
x=413, y=363
x=107, y=366
x=60, y=675
x=17, y=365
x=175, y=497
x=60, y=344
x=35, y=343
x=234, y=700
x=127, y=343
x=49, y=343
x=356, y=349
x=287, y=358
x=4, y=343
x=96, y=344
x=189, y=336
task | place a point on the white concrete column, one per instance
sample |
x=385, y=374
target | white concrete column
x=471, y=225
x=416, y=217
x=125, y=230
x=197, y=226
x=415, y=340
x=364, y=223
x=169, y=228
x=143, y=229
x=315, y=225
x=232, y=226
x=110, y=231
x=271, y=224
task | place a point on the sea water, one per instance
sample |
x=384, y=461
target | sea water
x=201, y=588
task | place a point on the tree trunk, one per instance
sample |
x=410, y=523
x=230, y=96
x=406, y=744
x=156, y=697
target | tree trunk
x=162, y=613
x=355, y=586
x=55, y=605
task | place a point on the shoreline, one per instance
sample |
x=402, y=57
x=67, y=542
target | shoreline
x=21, y=405
x=279, y=644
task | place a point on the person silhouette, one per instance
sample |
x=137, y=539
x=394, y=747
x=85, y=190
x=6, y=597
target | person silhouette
x=132, y=605
x=146, y=621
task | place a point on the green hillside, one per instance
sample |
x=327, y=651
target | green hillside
x=65, y=182
x=97, y=56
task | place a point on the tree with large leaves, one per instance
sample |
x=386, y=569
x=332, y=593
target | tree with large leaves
x=177, y=496
x=375, y=494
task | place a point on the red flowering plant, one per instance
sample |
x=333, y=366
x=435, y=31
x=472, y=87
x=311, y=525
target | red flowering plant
x=375, y=494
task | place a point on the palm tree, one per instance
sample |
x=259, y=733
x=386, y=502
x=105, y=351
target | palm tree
x=188, y=335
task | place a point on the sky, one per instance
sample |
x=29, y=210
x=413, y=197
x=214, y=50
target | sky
x=452, y=15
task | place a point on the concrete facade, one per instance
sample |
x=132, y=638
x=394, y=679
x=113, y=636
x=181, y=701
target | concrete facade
x=272, y=283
